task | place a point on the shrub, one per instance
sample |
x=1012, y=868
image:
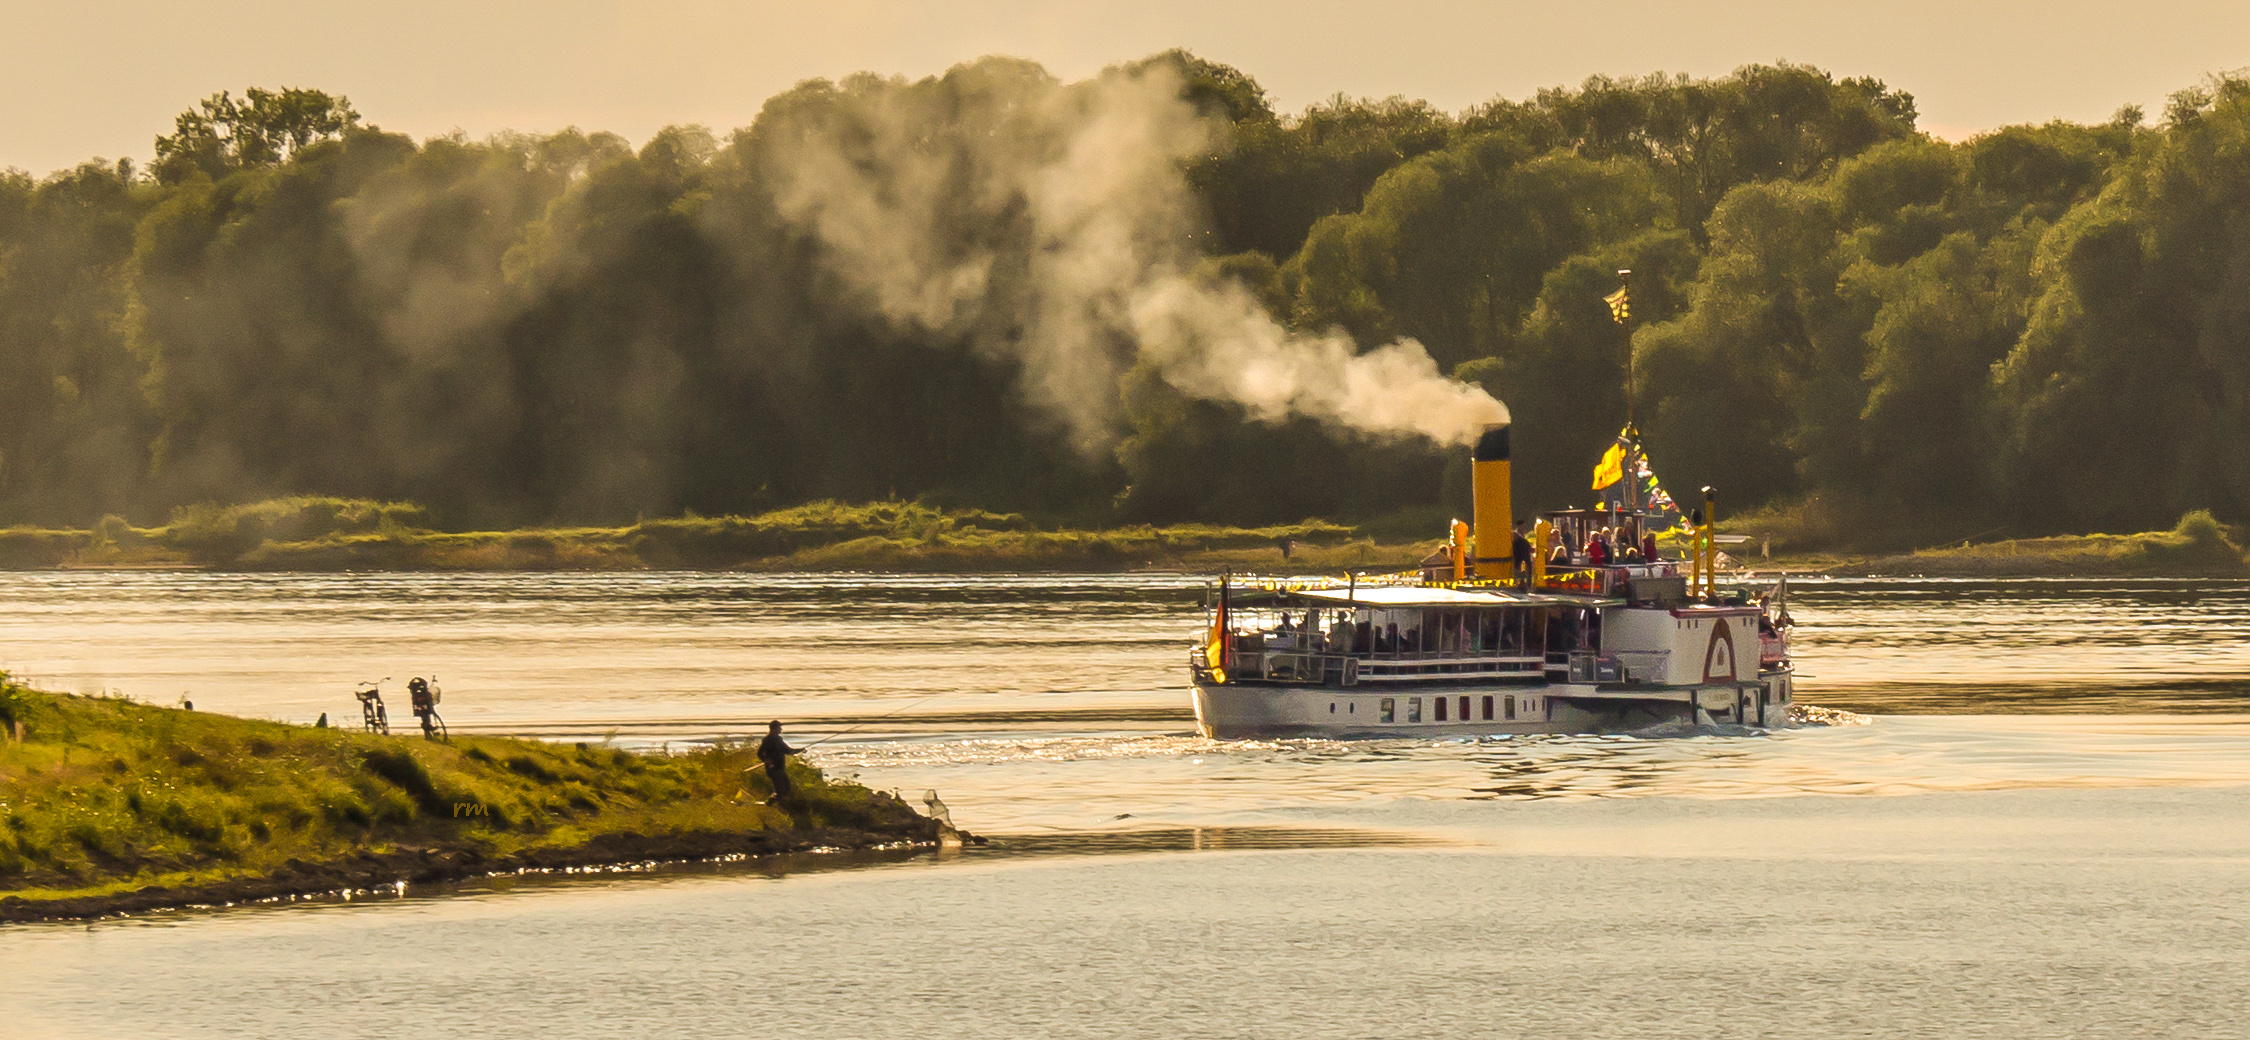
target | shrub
x=405, y=772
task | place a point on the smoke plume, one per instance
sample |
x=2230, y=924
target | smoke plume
x=1052, y=224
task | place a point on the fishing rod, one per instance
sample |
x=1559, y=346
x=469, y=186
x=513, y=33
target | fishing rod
x=876, y=719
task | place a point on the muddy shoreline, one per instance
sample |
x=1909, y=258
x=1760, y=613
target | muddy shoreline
x=450, y=863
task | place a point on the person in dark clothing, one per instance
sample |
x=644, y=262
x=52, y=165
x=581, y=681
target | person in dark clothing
x=1523, y=557
x=775, y=752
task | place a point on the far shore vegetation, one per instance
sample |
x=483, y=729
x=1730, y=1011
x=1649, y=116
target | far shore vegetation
x=309, y=533
x=2040, y=330
x=107, y=805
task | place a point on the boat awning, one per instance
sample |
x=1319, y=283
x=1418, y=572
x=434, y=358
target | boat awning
x=1419, y=596
x=1573, y=599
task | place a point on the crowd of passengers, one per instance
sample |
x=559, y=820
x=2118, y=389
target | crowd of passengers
x=1604, y=546
x=1452, y=632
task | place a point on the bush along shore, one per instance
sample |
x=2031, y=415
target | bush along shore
x=309, y=533
x=108, y=806
x=2198, y=547
x=330, y=534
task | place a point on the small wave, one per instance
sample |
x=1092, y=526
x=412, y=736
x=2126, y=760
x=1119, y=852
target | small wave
x=875, y=754
x=1815, y=715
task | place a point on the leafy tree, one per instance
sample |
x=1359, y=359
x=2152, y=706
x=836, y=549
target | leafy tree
x=221, y=135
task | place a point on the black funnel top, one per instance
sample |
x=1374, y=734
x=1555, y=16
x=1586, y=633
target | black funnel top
x=1493, y=446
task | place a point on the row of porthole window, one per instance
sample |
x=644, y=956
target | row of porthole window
x=1440, y=707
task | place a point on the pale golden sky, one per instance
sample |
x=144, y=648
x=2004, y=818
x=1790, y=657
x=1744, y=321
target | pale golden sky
x=86, y=78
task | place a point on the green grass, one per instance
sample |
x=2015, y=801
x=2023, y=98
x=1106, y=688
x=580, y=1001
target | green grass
x=327, y=534
x=310, y=533
x=2198, y=546
x=106, y=795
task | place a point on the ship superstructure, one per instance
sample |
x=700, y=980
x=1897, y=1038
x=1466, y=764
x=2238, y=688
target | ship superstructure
x=1582, y=624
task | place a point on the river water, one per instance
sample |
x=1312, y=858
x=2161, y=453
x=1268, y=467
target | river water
x=2030, y=819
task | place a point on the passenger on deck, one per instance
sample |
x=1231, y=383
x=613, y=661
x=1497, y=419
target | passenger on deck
x=1630, y=553
x=1648, y=547
x=1597, y=551
x=1523, y=556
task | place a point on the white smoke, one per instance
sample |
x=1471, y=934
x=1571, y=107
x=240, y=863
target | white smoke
x=1052, y=223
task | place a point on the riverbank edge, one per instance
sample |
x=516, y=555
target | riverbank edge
x=111, y=806
x=369, y=870
x=325, y=535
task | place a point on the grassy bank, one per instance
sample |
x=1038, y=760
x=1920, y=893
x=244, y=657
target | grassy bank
x=2197, y=547
x=326, y=534
x=108, y=805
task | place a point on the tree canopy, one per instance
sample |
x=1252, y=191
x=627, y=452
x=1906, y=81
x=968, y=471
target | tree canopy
x=2043, y=326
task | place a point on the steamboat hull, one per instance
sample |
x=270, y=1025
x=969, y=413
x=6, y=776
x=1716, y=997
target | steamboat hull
x=1239, y=711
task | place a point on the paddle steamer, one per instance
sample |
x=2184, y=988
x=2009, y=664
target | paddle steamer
x=1575, y=640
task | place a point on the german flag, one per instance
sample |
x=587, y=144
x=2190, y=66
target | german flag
x=1620, y=305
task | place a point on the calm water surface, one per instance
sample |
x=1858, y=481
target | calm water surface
x=2037, y=824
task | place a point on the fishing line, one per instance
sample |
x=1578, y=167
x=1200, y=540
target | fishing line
x=874, y=720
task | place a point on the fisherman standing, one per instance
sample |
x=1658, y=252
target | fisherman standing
x=775, y=752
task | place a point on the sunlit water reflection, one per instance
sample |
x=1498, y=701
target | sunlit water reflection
x=2061, y=851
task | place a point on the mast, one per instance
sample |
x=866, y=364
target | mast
x=1621, y=311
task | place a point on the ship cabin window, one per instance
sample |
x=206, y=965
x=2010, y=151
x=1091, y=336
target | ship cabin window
x=1414, y=709
x=1440, y=706
x=1389, y=710
x=1488, y=708
x=1509, y=705
x=1331, y=707
x=1464, y=709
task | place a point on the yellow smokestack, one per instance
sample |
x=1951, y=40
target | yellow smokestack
x=1495, y=505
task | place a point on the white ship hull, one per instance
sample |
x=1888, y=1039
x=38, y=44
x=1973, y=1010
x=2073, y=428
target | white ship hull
x=1235, y=711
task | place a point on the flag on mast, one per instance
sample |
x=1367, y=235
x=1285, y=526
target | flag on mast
x=1620, y=304
x=1611, y=468
x=1650, y=498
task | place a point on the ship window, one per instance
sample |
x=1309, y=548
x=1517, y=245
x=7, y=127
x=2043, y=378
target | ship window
x=1510, y=705
x=1440, y=706
x=1464, y=709
x=1390, y=709
x=1488, y=709
x=1414, y=709
x=1331, y=707
x=1351, y=708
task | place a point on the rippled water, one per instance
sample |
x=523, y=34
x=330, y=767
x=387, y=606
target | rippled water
x=2034, y=826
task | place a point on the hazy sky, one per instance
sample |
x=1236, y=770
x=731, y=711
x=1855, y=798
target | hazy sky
x=88, y=78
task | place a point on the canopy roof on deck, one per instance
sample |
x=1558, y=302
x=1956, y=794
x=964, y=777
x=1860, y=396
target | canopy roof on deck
x=1422, y=596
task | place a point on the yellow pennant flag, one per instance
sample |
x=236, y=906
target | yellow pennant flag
x=1612, y=467
x=1620, y=305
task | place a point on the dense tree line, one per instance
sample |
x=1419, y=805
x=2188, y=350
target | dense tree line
x=2045, y=327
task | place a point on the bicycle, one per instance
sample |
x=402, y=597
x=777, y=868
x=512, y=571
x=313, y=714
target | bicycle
x=371, y=706
x=426, y=696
